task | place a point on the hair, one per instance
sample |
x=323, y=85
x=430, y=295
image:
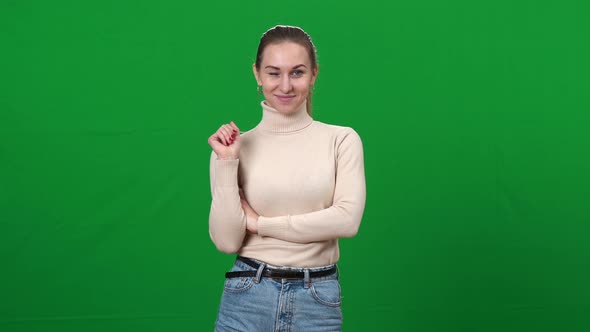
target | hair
x=287, y=33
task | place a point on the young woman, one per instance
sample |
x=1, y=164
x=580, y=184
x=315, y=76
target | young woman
x=282, y=195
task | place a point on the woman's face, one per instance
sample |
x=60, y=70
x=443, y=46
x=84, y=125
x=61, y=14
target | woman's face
x=285, y=75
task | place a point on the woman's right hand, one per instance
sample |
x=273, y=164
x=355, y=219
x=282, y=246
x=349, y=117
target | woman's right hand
x=226, y=141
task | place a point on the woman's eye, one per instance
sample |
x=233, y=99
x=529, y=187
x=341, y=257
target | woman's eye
x=297, y=73
x=273, y=74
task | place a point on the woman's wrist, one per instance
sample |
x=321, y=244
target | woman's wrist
x=227, y=157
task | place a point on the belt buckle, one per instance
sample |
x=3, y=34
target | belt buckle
x=282, y=274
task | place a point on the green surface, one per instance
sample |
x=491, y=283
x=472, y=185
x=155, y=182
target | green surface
x=474, y=117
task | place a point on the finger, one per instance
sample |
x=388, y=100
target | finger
x=222, y=133
x=218, y=137
x=233, y=131
x=228, y=131
x=245, y=206
x=234, y=126
x=214, y=139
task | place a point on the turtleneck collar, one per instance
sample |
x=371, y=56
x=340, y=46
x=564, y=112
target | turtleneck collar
x=277, y=122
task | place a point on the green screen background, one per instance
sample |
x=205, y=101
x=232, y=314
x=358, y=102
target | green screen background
x=474, y=119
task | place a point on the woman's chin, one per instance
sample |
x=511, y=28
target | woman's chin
x=288, y=108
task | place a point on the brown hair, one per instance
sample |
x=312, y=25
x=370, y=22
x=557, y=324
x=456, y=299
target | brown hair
x=287, y=33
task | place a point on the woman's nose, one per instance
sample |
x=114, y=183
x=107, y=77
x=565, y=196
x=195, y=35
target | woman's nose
x=285, y=84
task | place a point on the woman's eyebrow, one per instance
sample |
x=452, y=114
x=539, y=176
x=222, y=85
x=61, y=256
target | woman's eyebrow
x=277, y=68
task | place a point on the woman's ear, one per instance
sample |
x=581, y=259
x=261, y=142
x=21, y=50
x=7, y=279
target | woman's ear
x=314, y=74
x=256, y=74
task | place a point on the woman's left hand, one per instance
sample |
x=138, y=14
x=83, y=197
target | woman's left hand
x=251, y=215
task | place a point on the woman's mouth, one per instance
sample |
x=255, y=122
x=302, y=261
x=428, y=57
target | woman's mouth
x=285, y=98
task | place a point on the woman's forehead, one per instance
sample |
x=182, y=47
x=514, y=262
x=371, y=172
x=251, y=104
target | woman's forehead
x=285, y=55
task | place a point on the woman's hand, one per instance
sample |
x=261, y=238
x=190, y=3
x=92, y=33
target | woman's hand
x=226, y=141
x=251, y=215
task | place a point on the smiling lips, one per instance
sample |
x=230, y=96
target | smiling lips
x=285, y=98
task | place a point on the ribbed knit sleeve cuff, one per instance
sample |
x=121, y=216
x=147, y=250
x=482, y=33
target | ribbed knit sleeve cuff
x=226, y=172
x=274, y=227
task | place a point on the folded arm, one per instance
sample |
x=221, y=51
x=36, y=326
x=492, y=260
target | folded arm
x=343, y=217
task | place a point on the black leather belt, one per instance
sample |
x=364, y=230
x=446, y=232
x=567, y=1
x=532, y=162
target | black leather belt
x=276, y=273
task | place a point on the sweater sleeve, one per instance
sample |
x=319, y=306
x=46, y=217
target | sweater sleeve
x=227, y=220
x=343, y=217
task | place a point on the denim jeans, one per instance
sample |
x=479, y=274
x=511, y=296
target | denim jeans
x=268, y=304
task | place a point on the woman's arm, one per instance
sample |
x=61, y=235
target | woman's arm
x=343, y=217
x=227, y=221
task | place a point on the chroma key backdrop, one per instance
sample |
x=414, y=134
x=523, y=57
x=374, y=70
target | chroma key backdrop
x=474, y=117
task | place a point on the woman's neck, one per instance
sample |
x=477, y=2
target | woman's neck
x=277, y=122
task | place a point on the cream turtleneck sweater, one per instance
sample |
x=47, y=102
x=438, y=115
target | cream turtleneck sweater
x=304, y=178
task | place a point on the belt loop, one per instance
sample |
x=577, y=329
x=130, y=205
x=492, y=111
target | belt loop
x=306, y=279
x=259, y=272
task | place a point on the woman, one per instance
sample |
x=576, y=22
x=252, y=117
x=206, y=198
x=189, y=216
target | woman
x=282, y=195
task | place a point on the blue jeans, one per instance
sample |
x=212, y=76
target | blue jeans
x=268, y=304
